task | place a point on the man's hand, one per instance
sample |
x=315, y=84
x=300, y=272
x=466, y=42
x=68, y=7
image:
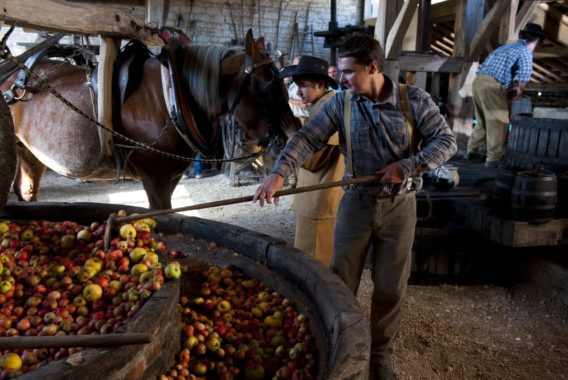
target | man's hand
x=273, y=183
x=391, y=174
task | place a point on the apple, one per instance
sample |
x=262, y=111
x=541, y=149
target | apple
x=137, y=254
x=152, y=257
x=255, y=372
x=173, y=270
x=127, y=231
x=26, y=234
x=84, y=234
x=138, y=269
x=5, y=286
x=11, y=361
x=67, y=241
x=92, y=292
x=94, y=262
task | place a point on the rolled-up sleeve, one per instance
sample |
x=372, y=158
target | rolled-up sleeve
x=308, y=139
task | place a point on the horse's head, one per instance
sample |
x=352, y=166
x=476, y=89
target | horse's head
x=257, y=96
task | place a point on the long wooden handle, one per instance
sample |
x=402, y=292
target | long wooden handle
x=104, y=340
x=248, y=198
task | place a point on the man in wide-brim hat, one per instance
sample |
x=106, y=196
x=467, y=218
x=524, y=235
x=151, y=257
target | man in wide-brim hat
x=501, y=78
x=316, y=211
x=309, y=67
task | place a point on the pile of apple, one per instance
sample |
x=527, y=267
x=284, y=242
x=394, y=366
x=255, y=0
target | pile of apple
x=238, y=328
x=57, y=279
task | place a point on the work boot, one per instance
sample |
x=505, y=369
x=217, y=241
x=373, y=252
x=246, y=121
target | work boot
x=471, y=156
x=492, y=164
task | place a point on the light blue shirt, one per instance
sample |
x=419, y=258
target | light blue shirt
x=508, y=63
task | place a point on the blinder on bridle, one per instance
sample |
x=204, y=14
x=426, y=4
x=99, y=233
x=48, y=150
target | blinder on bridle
x=264, y=95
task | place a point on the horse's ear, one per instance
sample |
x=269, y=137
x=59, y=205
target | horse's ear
x=250, y=46
x=232, y=65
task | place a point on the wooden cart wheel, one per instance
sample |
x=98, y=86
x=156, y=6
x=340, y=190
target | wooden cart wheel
x=8, y=158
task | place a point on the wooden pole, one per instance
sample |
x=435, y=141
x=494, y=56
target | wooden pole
x=248, y=198
x=105, y=340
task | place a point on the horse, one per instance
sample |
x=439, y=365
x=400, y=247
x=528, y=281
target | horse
x=217, y=81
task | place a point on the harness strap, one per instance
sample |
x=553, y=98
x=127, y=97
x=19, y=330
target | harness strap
x=347, y=122
x=403, y=88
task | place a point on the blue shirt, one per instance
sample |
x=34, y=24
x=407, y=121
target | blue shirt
x=508, y=63
x=379, y=136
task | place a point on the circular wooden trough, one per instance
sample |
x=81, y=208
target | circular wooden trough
x=340, y=330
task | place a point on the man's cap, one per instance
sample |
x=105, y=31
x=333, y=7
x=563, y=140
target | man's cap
x=310, y=67
x=533, y=30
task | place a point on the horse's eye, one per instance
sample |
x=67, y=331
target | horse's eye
x=248, y=68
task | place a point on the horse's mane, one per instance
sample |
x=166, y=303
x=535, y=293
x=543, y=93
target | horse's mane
x=201, y=66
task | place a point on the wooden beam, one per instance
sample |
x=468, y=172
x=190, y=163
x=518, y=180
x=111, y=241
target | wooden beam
x=157, y=12
x=546, y=72
x=487, y=28
x=444, y=11
x=430, y=63
x=558, y=32
x=507, y=28
x=551, y=52
x=81, y=17
x=524, y=15
x=108, y=53
x=399, y=28
x=387, y=12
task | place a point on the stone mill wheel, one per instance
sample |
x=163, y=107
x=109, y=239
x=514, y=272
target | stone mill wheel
x=8, y=156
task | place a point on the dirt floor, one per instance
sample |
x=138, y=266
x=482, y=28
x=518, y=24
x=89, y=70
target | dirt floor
x=475, y=331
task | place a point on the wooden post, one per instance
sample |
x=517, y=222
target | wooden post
x=507, y=27
x=469, y=15
x=108, y=52
x=386, y=17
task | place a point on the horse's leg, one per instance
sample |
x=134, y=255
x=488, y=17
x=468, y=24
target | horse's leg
x=28, y=175
x=159, y=187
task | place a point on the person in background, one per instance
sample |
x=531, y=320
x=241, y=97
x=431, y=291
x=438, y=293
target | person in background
x=299, y=109
x=501, y=78
x=316, y=210
x=380, y=215
x=332, y=72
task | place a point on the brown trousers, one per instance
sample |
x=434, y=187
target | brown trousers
x=386, y=225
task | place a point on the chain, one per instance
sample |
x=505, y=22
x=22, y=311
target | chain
x=5, y=53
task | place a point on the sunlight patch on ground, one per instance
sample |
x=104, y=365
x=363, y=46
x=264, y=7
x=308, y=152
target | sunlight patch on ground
x=180, y=198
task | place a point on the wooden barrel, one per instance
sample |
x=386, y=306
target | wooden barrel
x=534, y=143
x=503, y=186
x=534, y=196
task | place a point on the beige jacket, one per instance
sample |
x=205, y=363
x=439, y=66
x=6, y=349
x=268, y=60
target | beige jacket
x=321, y=204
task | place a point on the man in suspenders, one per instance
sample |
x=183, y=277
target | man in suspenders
x=376, y=138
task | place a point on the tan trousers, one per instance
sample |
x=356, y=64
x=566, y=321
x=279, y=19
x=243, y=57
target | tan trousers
x=492, y=114
x=315, y=237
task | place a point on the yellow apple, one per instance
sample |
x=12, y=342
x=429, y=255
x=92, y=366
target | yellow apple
x=173, y=270
x=127, y=231
x=138, y=269
x=92, y=292
x=137, y=254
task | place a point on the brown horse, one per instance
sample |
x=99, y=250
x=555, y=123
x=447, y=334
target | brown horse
x=217, y=80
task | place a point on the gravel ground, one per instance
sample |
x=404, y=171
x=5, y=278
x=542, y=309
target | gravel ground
x=478, y=331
